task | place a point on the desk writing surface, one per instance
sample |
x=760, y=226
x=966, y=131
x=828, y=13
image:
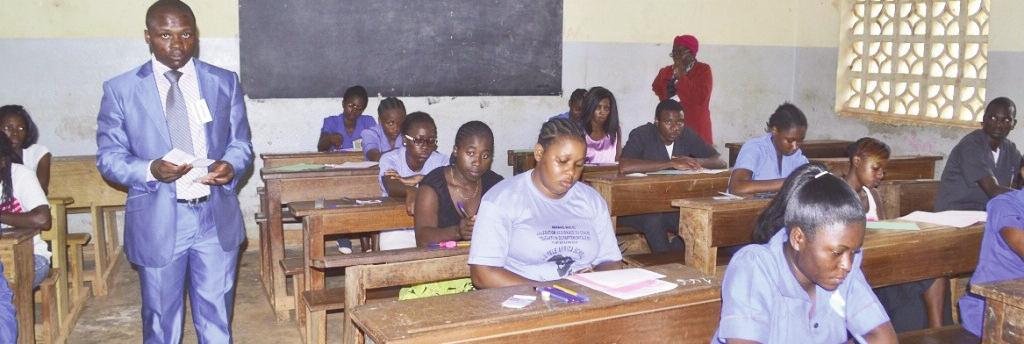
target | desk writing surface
x=894, y=257
x=653, y=194
x=1009, y=291
x=272, y=160
x=688, y=313
x=78, y=178
x=898, y=167
x=731, y=221
x=270, y=173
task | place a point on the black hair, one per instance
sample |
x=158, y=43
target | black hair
x=867, y=147
x=355, y=91
x=667, y=105
x=999, y=104
x=389, y=103
x=787, y=116
x=31, y=130
x=558, y=127
x=590, y=103
x=418, y=117
x=577, y=95
x=472, y=129
x=6, y=155
x=823, y=201
x=176, y=5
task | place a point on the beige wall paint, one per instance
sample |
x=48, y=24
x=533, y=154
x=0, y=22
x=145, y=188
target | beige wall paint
x=106, y=19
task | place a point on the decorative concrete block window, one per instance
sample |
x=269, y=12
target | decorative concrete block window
x=913, y=61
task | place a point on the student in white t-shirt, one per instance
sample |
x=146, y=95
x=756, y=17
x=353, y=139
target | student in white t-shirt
x=542, y=225
x=24, y=135
x=23, y=205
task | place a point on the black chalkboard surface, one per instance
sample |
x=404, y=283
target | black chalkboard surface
x=317, y=48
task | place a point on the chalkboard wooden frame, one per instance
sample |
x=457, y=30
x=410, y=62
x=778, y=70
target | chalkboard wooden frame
x=317, y=48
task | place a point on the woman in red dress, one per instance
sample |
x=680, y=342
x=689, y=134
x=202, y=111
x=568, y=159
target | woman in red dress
x=688, y=81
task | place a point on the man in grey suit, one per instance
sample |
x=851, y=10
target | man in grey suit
x=182, y=219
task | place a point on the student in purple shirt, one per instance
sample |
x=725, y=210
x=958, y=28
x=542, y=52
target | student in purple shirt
x=387, y=134
x=342, y=130
x=764, y=162
x=600, y=121
x=575, y=106
x=805, y=284
x=1002, y=254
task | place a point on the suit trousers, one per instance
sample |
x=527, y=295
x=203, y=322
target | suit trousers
x=205, y=268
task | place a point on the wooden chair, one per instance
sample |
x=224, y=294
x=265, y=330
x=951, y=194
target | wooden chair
x=360, y=278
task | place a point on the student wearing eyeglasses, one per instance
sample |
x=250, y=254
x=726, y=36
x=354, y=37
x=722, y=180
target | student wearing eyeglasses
x=402, y=169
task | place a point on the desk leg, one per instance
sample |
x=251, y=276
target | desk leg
x=312, y=248
x=24, y=269
x=695, y=228
x=58, y=238
x=278, y=289
x=99, y=281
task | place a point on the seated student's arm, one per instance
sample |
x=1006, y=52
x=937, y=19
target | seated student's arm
x=865, y=315
x=490, y=247
x=879, y=207
x=328, y=141
x=608, y=255
x=991, y=186
x=1014, y=238
x=745, y=300
x=618, y=145
x=427, y=231
x=373, y=154
x=43, y=172
x=38, y=218
x=714, y=162
x=399, y=187
x=629, y=165
x=485, y=277
x=742, y=182
x=884, y=333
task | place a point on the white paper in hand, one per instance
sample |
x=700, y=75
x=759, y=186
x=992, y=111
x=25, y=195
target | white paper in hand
x=179, y=157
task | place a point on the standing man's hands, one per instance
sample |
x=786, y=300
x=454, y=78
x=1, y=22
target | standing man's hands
x=167, y=172
x=221, y=173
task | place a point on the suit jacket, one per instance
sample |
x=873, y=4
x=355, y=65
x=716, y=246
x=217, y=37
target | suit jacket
x=132, y=131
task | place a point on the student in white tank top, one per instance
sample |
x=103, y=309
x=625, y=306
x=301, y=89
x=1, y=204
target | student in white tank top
x=868, y=158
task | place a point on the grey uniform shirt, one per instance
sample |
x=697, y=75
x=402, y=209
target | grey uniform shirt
x=970, y=161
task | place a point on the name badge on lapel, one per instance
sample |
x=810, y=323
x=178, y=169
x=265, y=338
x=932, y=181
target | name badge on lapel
x=199, y=111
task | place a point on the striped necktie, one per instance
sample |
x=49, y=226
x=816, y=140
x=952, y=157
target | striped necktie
x=177, y=116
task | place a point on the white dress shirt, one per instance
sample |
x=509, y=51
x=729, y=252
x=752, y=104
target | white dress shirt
x=189, y=85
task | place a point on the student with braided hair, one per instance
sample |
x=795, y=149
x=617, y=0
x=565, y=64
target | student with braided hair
x=387, y=134
x=542, y=225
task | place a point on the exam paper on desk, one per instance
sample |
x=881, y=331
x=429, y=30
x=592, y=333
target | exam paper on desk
x=952, y=218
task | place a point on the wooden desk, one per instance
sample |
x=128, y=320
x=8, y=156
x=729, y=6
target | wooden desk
x=687, y=314
x=895, y=257
x=1004, y=311
x=810, y=148
x=521, y=160
x=286, y=187
x=902, y=197
x=19, y=270
x=899, y=167
x=272, y=160
x=654, y=194
x=76, y=177
x=705, y=224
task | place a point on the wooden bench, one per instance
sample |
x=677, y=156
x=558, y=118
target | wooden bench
x=19, y=270
x=76, y=244
x=80, y=180
x=953, y=334
x=1004, y=310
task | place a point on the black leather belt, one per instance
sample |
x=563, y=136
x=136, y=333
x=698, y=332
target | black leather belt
x=195, y=201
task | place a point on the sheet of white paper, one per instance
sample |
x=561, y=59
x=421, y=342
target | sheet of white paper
x=686, y=172
x=641, y=289
x=518, y=301
x=178, y=157
x=202, y=162
x=618, y=278
x=354, y=164
x=952, y=218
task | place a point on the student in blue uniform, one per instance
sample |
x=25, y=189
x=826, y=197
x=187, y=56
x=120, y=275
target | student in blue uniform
x=665, y=144
x=764, y=162
x=575, y=106
x=805, y=284
x=343, y=130
x=1001, y=257
x=387, y=134
x=543, y=225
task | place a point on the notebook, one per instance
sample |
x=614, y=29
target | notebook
x=624, y=284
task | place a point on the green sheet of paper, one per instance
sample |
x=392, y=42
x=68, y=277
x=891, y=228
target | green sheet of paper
x=299, y=168
x=893, y=225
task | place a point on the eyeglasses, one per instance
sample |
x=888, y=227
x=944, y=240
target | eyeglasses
x=8, y=128
x=423, y=141
x=1006, y=120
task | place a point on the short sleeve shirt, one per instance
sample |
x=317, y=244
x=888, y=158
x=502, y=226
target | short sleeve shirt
x=374, y=138
x=996, y=261
x=564, y=115
x=395, y=160
x=336, y=125
x=28, y=195
x=542, y=239
x=970, y=161
x=601, y=151
x=644, y=143
x=447, y=215
x=759, y=156
x=32, y=155
x=762, y=301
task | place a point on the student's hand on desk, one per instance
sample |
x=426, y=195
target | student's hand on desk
x=167, y=172
x=221, y=173
x=683, y=163
x=334, y=139
x=466, y=227
x=410, y=205
x=407, y=181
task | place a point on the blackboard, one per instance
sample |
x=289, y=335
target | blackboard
x=317, y=48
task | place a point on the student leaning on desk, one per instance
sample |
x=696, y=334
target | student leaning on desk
x=543, y=225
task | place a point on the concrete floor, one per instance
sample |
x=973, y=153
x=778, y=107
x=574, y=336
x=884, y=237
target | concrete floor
x=115, y=318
